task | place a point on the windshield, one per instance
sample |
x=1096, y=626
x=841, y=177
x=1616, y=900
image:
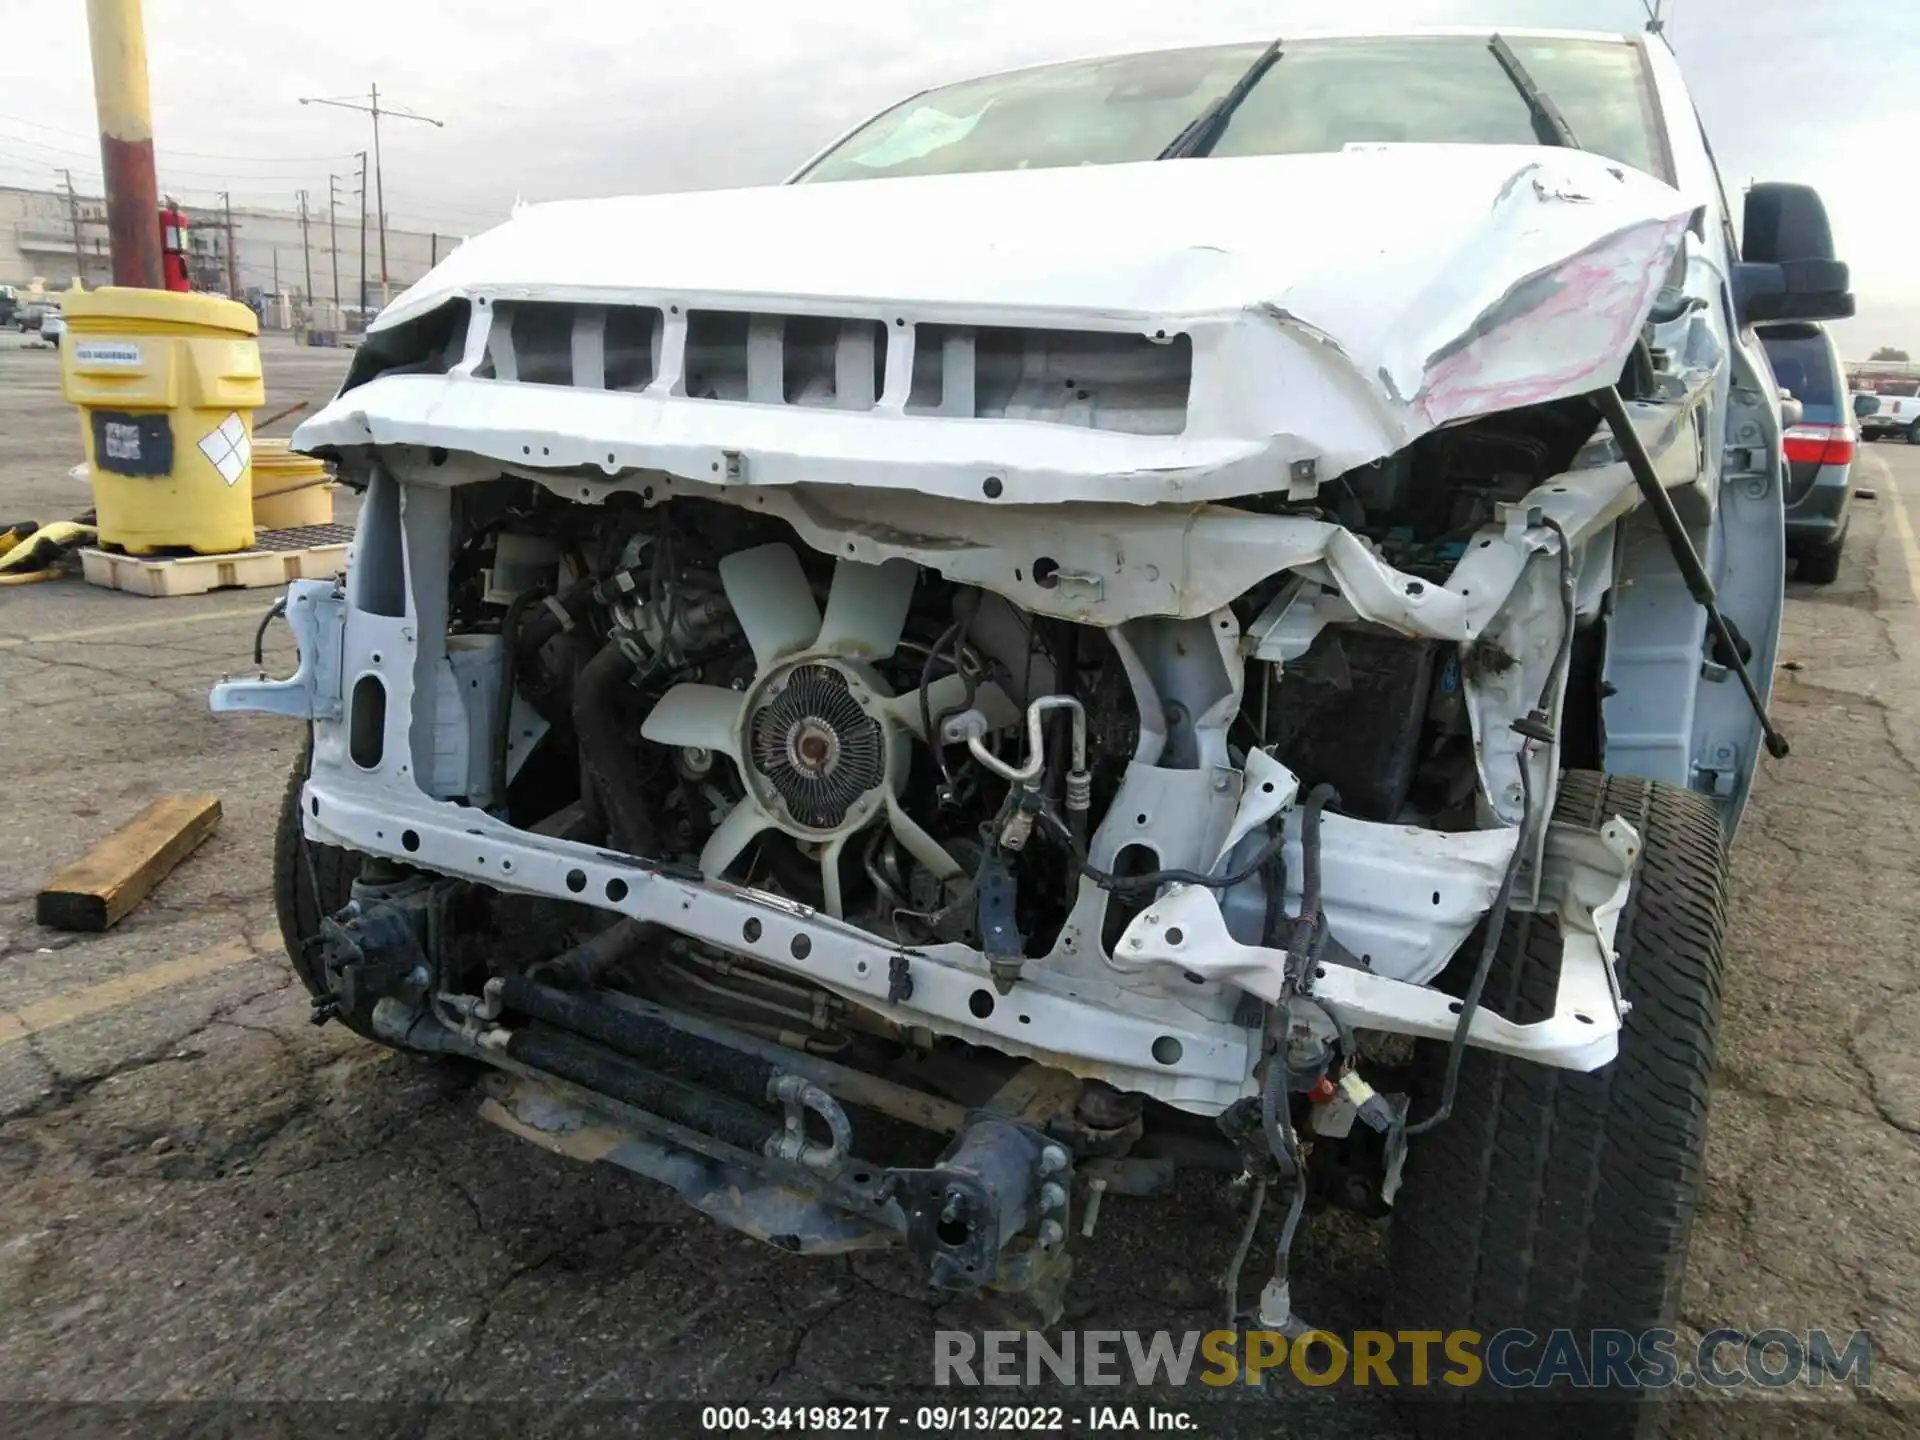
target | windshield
x=1322, y=95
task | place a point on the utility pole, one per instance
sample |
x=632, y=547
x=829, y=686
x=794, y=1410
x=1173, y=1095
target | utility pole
x=119, y=44
x=73, y=218
x=306, y=254
x=233, y=255
x=333, y=234
x=379, y=182
x=363, y=239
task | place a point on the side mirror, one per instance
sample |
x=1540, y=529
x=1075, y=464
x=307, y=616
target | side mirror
x=1787, y=269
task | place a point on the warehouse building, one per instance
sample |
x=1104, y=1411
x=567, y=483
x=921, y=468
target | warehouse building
x=294, y=274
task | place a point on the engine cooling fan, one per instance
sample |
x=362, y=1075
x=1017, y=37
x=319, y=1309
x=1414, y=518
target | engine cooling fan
x=820, y=742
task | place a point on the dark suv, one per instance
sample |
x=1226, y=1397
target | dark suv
x=1819, y=449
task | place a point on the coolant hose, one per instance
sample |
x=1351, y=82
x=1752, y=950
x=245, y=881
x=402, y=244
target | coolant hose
x=586, y=962
x=606, y=757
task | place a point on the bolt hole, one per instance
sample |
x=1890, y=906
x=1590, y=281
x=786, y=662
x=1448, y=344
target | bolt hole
x=479, y=859
x=1046, y=572
x=992, y=486
x=1168, y=1050
x=1026, y=1019
x=751, y=930
x=1266, y=787
x=801, y=947
x=616, y=890
x=1453, y=1007
x=1414, y=587
x=1485, y=543
x=526, y=449
x=1583, y=1019
x=981, y=1004
x=314, y=806
x=1175, y=935
x=1436, y=897
x=861, y=968
x=863, y=1177
x=376, y=657
x=436, y=456
x=506, y=864
x=576, y=880
x=409, y=841
x=610, y=459
x=1320, y=973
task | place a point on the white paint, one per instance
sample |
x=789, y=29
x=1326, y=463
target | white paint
x=1338, y=305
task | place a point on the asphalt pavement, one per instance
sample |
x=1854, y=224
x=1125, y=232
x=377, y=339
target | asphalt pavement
x=203, y=1198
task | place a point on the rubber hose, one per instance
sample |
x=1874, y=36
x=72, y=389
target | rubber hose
x=606, y=756
x=586, y=962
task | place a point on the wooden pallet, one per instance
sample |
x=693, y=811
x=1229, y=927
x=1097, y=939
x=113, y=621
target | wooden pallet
x=311, y=552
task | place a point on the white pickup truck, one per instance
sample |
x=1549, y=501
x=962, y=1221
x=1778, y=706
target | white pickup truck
x=1130, y=595
x=1881, y=416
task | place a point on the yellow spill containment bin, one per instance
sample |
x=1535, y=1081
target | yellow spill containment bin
x=289, y=489
x=166, y=385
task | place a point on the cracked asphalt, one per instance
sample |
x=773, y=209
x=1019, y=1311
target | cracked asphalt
x=205, y=1199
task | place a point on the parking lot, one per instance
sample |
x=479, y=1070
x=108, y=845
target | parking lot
x=204, y=1198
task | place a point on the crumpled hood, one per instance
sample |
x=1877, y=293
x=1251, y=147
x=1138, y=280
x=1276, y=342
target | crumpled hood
x=1393, y=253
x=1338, y=306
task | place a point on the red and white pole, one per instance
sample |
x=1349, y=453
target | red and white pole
x=126, y=141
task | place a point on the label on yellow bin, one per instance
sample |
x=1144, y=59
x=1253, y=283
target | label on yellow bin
x=132, y=444
x=227, y=446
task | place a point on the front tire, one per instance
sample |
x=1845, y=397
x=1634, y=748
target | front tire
x=1913, y=433
x=310, y=882
x=1554, y=1199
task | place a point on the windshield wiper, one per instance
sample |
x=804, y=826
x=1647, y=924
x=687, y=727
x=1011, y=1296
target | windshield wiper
x=1205, y=131
x=1548, y=122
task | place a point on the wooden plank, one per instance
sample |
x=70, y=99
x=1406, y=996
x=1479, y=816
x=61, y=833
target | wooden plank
x=114, y=876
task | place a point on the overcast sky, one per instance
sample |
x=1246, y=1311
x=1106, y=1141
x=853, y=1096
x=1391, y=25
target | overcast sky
x=596, y=97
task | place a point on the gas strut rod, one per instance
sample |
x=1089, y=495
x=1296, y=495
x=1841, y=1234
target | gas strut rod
x=1699, y=584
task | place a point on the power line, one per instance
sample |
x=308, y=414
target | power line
x=373, y=109
x=190, y=154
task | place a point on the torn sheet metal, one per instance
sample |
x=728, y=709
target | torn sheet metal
x=1338, y=306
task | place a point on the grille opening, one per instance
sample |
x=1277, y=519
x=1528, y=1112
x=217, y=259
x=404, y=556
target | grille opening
x=632, y=346
x=716, y=365
x=1094, y=379
x=542, y=336
x=832, y=362
x=429, y=344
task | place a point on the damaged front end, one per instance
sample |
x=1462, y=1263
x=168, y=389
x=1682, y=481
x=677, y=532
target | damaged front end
x=897, y=772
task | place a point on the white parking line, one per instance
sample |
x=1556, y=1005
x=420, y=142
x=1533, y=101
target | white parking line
x=1903, y=527
x=130, y=627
